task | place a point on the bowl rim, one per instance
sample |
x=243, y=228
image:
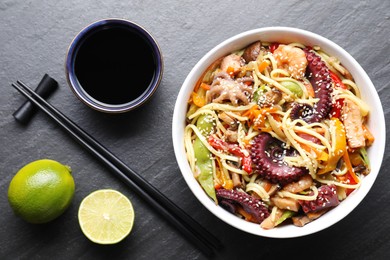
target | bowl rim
x=178, y=123
x=108, y=23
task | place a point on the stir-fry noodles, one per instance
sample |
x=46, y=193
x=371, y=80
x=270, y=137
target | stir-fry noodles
x=277, y=133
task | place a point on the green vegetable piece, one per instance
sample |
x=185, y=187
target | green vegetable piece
x=208, y=77
x=191, y=110
x=259, y=92
x=257, y=95
x=205, y=124
x=293, y=87
x=202, y=154
x=363, y=153
x=286, y=214
x=205, y=166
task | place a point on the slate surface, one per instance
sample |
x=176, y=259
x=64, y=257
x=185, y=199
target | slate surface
x=34, y=36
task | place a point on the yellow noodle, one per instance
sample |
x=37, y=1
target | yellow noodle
x=340, y=173
x=226, y=173
x=274, y=83
x=300, y=197
x=299, y=83
x=335, y=63
x=239, y=118
x=233, y=169
x=339, y=184
x=251, y=135
x=210, y=112
x=256, y=81
x=297, y=44
x=214, y=170
x=266, y=72
x=316, y=48
x=364, y=110
x=189, y=148
x=273, y=214
x=287, y=131
x=323, y=140
x=258, y=189
x=240, y=137
x=225, y=107
x=275, y=74
x=271, y=58
x=352, y=84
x=210, y=148
x=253, y=178
x=246, y=178
x=309, y=101
x=276, y=126
x=312, y=125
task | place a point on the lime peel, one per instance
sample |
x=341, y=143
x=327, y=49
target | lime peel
x=41, y=191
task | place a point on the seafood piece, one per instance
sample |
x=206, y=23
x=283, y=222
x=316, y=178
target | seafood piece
x=231, y=122
x=224, y=88
x=228, y=205
x=292, y=59
x=251, y=52
x=304, y=183
x=318, y=74
x=231, y=136
x=310, y=138
x=269, y=98
x=327, y=198
x=302, y=220
x=255, y=207
x=231, y=63
x=236, y=180
x=353, y=122
x=270, y=222
x=286, y=203
x=267, y=155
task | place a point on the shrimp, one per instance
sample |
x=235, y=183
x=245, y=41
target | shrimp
x=353, y=122
x=292, y=59
x=231, y=62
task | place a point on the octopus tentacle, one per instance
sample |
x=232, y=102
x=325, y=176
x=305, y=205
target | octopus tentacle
x=230, y=198
x=318, y=74
x=327, y=198
x=225, y=88
x=267, y=155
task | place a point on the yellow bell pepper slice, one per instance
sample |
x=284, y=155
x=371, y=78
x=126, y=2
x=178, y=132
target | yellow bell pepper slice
x=340, y=147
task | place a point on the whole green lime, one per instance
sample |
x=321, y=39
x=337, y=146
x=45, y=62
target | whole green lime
x=41, y=191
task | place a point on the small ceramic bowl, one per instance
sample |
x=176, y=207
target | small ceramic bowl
x=127, y=26
x=376, y=123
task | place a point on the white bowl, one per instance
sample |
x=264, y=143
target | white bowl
x=376, y=124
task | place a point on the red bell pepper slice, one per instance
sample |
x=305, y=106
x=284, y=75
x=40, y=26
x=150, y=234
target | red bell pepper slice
x=234, y=149
x=336, y=108
x=338, y=105
x=273, y=47
x=337, y=81
x=351, y=181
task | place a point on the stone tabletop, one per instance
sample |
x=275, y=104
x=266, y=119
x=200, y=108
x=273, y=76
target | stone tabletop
x=34, y=37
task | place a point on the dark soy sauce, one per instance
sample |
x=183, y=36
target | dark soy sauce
x=115, y=65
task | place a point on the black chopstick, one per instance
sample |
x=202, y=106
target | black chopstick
x=134, y=176
x=188, y=226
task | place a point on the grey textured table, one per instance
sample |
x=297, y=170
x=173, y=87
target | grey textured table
x=34, y=36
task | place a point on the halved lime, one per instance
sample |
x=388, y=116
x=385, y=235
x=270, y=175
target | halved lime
x=106, y=216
